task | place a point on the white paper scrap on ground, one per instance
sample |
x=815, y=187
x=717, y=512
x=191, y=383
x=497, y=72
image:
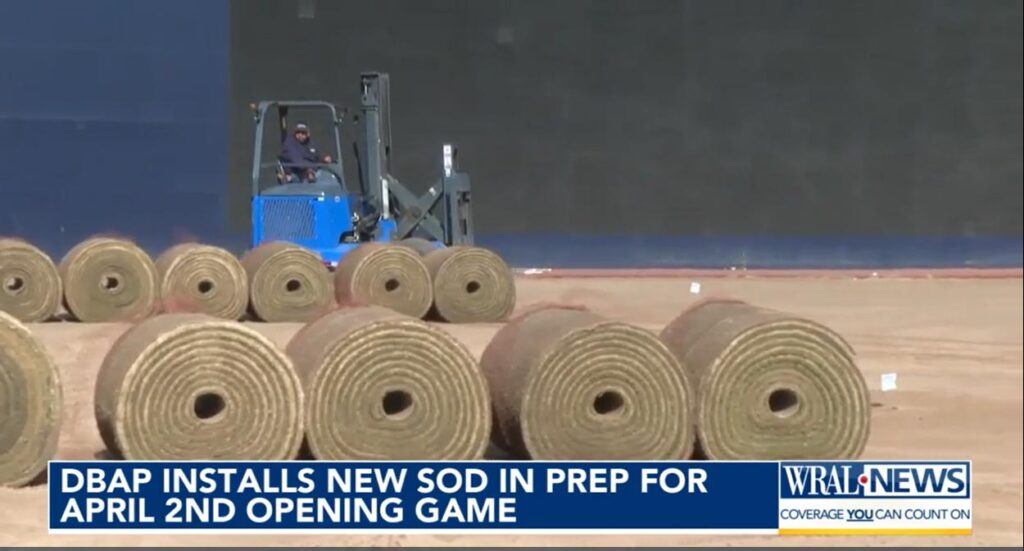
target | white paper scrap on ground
x=888, y=382
x=695, y=287
x=534, y=271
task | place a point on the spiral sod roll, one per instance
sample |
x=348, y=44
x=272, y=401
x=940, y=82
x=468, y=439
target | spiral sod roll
x=569, y=384
x=30, y=404
x=384, y=274
x=471, y=284
x=381, y=385
x=192, y=387
x=770, y=385
x=30, y=287
x=204, y=279
x=287, y=283
x=107, y=279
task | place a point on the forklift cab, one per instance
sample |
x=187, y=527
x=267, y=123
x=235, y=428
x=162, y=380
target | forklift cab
x=315, y=212
x=269, y=163
x=319, y=212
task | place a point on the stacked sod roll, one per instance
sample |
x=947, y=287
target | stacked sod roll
x=726, y=380
x=770, y=385
x=30, y=404
x=569, y=384
x=30, y=286
x=105, y=279
x=202, y=279
x=109, y=279
x=383, y=385
x=287, y=283
x=192, y=387
x=470, y=284
x=387, y=275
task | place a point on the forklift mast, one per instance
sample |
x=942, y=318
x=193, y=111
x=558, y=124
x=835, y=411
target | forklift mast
x=376, y=106
x=442, y=213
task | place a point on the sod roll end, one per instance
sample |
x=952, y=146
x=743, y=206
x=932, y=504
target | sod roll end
x=569, y=384
x=770, y=385
x=471, y=284
x=108, y=279
x=287, y=283
x=193, y=387
x=30, y=286
x=30, y=404
x=198, y=278
x=384, y=274
x=385, y=386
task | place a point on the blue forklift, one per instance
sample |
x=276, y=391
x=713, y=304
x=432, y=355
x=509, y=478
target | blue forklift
x=323, y=214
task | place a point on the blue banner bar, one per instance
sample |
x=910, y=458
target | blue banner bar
x=414, y=496
x=800, y=497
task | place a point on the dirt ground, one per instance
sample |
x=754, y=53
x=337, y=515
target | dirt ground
x=956, y=345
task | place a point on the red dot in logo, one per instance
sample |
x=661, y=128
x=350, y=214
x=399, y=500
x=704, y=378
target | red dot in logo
x=863, y=479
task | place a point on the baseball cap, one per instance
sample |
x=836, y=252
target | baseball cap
x=301, y=127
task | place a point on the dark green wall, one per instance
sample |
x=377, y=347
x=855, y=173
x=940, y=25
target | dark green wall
x=699, y=118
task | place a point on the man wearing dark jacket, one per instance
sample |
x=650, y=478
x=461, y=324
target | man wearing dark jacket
x=299, y=156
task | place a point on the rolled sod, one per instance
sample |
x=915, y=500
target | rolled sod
x=107, y=279
x=770, y=385
x=384, y=274
x=203, y=279
x=30, y=286
x=569, y=384
x=381, y=385
x=30, y=404
x=287, y=283
x=471, y=284
x=194, y=387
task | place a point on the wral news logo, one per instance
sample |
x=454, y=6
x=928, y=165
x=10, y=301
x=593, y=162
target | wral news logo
x=875, y=480
x=868, y=497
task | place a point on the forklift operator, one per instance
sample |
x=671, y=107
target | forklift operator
x=300, y=157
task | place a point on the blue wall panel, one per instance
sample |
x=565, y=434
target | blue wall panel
x=112, y=120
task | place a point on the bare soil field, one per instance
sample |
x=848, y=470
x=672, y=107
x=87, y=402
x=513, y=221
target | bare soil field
x=956, y=345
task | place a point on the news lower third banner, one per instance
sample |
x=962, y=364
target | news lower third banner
x=819, y=497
